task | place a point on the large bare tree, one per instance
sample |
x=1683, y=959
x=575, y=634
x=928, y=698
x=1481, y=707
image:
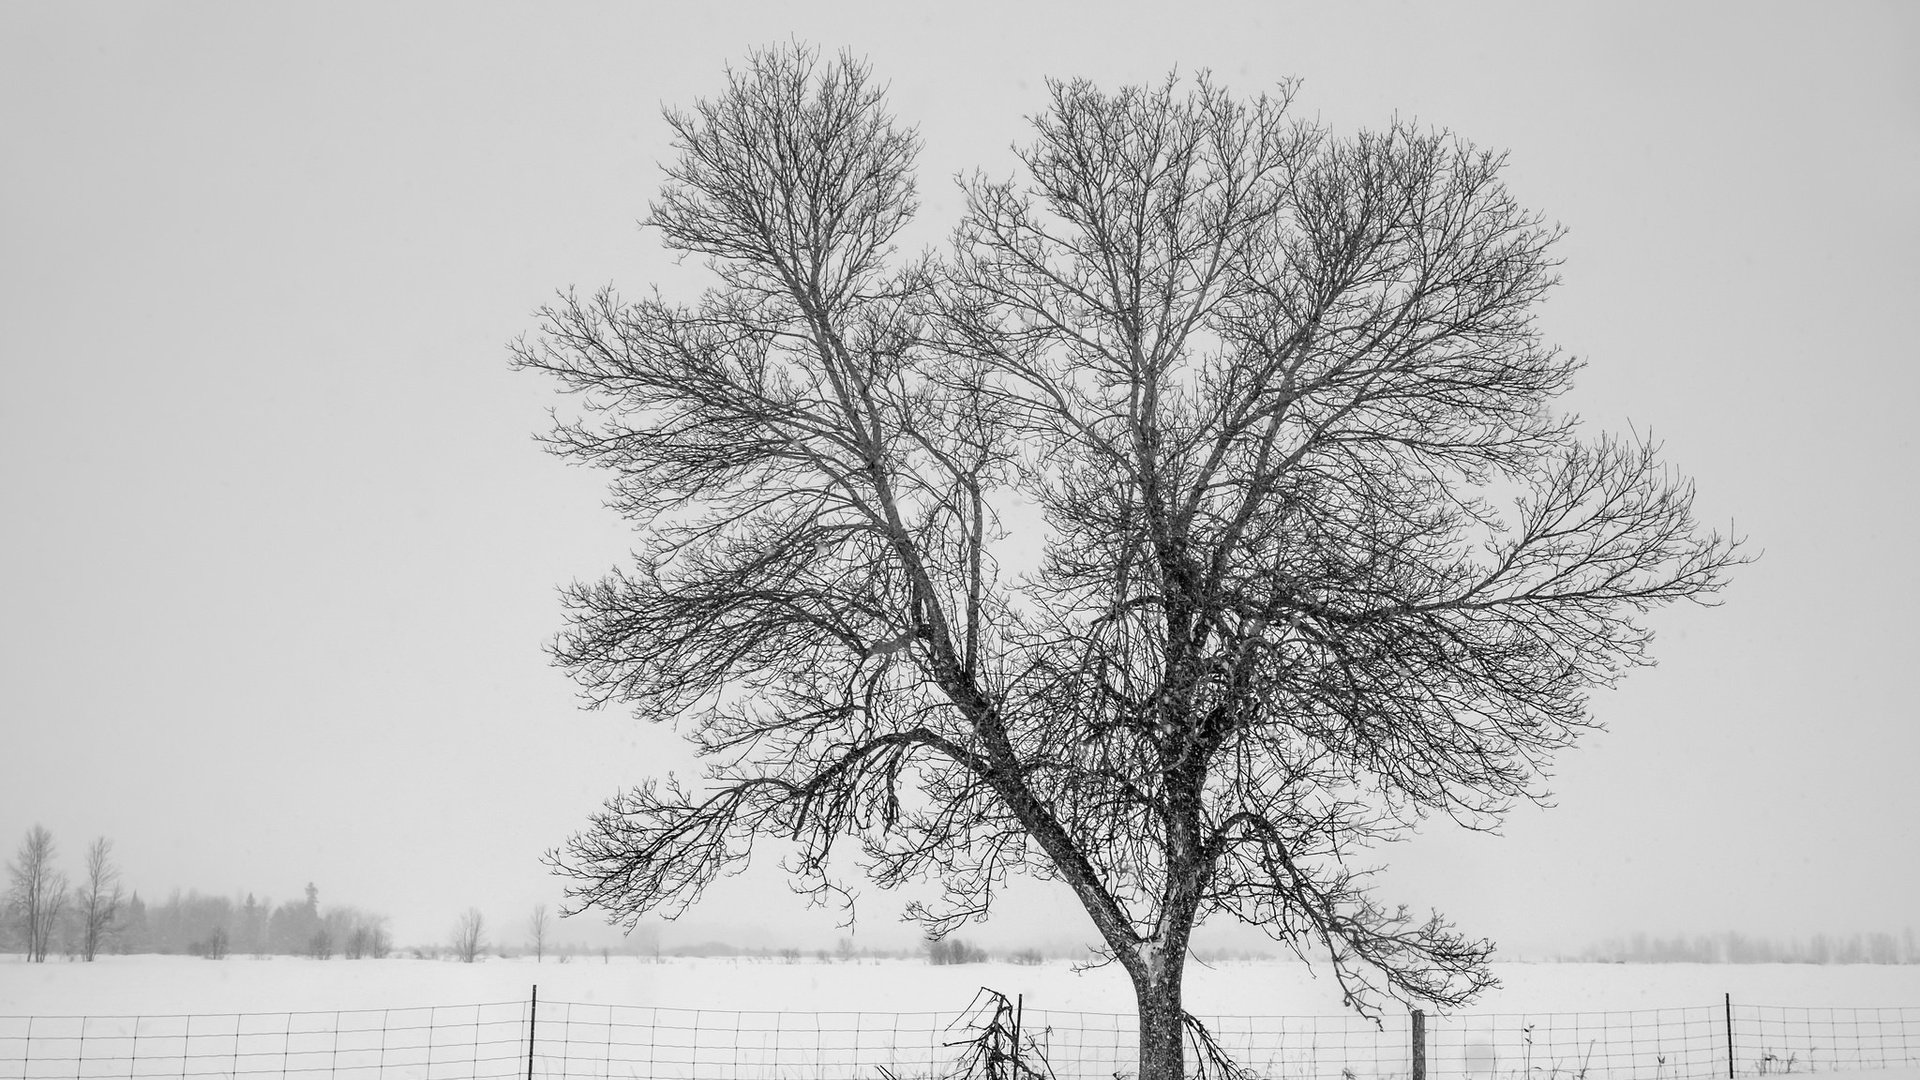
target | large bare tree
x=97, y=901
x=1199, y=520
x=38, y=891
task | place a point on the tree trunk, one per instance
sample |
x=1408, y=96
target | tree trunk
x=1162, y=1040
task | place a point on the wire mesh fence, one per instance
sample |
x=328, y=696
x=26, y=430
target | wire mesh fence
x=1643, y=1044
x=1770, y=1039
x=609, y=1042
x=446, y=1042
x=544, y=1040
x=605, y=1042
x=1104, y=1045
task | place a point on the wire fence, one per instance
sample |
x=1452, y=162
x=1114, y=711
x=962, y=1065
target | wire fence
x=1772, y=1039
x=576, y=1041
x=447, y=1042
x=1642, y=1044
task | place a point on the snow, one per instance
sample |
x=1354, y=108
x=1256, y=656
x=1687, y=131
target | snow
x=128, y=985
x=730, y=1017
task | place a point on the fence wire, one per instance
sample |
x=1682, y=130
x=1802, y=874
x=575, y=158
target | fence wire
x=1772, y=1039
x=578, y=1041
x=1644, y=1044
x=445, y=1042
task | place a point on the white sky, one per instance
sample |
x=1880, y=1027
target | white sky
x=277, y=553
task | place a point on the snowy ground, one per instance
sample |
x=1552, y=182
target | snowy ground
x=749, y=1019
x=130, y=985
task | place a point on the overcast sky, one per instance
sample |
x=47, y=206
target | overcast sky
x=278, y=553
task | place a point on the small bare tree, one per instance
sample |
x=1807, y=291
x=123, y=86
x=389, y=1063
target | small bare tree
x=537, y=926
x=37, y=893
x=1305, y=554
x=360, y=934
x=469, y=936
x=98, y=899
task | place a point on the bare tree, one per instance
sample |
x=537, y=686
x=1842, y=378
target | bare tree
x=1200, y=521
x=360, y=934
x=469, y=936
x=537, y=926
x=97, y=901
x=37, y=891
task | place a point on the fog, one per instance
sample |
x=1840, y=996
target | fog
x=280, y=555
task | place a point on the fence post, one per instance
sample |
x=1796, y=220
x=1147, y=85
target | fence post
x=1419, y=1045
x=533, y=1018
x=1729, y=1000
x=1019, y=1004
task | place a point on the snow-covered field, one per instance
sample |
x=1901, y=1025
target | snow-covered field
x=134, y=985
x=750, y=1019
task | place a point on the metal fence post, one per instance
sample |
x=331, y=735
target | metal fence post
x=1019, y=1005
x=1729, y=1000
x=533, y=1019
x=1419, y=1045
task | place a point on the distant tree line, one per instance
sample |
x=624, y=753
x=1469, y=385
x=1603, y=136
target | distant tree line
x=42, y=915
x=952, y=950
x=217, y=926
x=1731, y=947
